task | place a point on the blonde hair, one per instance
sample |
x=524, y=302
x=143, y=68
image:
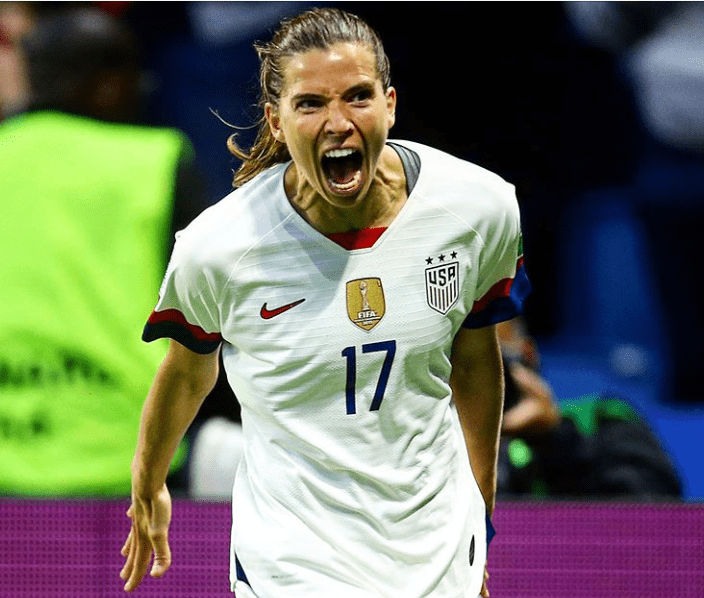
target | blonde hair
x=319, y=28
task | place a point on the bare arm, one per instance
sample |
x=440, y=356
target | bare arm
x=478, y=390
x=477, y=383
x=181, y=384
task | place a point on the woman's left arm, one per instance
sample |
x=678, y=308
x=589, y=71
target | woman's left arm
x=477, y=384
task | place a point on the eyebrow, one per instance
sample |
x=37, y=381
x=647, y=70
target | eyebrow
x=364, y=86
x=306, y=96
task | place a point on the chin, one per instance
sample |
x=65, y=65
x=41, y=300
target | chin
x=346, y=200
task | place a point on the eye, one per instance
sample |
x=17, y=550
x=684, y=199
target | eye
x=308, y=104
x=362, y=95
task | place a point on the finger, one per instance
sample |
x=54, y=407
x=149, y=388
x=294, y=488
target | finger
x=485, y=588
x=485, y=591
x=159, y=533
x=161, y=565
x=162, y=552
x=125, y=550
x=139, y=561
x=126, y=572
x=128, y=553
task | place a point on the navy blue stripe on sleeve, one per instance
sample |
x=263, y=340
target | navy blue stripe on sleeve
x=171, y=323
x=504, y=306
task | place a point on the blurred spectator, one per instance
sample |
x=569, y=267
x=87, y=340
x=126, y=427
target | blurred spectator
x=595, y=446
x=15, y=20
x=89, y=204
x=660, y=48
x=204, y=81
x=204, y=73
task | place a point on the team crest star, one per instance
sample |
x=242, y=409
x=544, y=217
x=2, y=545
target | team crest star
x=453, y=255
x=429, y=260
x=441, y=257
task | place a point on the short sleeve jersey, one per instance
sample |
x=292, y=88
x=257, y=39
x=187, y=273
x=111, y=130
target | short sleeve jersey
x=354, y=480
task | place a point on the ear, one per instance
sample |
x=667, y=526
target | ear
x=272, y=117
x=391, y=105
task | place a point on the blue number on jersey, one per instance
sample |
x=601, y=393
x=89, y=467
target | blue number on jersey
x=350, y=353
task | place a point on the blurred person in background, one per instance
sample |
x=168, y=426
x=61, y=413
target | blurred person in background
x=90, y=200
x=203, y=72
x=15, y=20
x=596, y=446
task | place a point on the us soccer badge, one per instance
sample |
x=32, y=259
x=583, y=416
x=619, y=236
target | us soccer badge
x=365, y=302
x=442, y=282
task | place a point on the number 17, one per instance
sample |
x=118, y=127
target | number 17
x=350, y=353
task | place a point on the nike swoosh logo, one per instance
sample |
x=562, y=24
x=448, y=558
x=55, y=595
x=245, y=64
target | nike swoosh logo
x=270, y=313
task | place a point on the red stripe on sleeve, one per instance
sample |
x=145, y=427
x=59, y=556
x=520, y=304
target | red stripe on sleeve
x=173, y=316
x=500, y=289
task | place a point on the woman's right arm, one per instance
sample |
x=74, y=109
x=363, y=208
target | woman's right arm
x=181, y=384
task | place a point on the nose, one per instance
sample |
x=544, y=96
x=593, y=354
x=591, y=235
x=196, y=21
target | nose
x=338, y=120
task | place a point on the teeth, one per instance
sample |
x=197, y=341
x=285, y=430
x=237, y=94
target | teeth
x=339, y=153
x=347, y=186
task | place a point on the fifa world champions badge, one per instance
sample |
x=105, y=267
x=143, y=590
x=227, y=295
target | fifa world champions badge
x=442, y=282
x=365, y=302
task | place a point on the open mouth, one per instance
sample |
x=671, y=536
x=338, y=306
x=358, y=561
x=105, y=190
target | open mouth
x=343, y=170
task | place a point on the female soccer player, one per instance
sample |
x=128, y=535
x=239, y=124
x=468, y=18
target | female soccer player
x=353, y=284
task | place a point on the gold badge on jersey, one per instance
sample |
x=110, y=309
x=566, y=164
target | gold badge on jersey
x=365, y=302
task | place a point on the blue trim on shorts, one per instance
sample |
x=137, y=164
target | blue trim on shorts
x=490, y=531
x=241, y=575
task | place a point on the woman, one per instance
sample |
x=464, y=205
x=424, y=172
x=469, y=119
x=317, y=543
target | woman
x=353, y=284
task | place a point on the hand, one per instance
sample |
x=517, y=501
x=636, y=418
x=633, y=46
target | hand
x=149, y=534
x=484, y=593
x=537, y=411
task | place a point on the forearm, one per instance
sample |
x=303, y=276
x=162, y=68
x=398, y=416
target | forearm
x=478, y=391
x=172, y=403
x=480, y=416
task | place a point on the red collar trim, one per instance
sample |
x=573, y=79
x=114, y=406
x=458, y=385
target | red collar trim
x=358, y=239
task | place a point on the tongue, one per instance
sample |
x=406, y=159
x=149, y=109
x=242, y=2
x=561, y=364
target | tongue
x=341, y=170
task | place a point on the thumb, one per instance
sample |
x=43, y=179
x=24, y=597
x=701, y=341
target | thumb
x=159, y=534
x=162, y=554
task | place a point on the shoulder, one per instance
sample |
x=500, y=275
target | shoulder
x=226, y=230
x=461, y=187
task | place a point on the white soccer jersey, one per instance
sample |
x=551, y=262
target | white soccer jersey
x=354, y=481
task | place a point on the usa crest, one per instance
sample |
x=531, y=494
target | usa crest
x=365, y=302
x=442, y=286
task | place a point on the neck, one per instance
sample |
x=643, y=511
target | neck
x=378, y=208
